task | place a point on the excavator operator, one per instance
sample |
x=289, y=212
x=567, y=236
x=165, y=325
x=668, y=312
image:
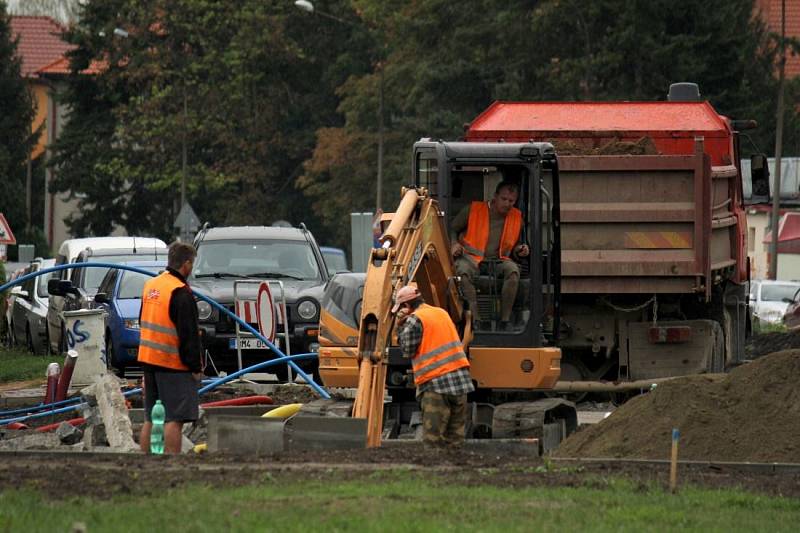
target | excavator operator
x=490, y=231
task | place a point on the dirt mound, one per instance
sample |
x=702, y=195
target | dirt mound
x=643, y=146
x=751, y=414
x=767, y=343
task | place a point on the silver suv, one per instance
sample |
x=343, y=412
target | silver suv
x=252, y=253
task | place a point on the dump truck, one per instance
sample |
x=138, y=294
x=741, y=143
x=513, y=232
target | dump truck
x=512, y=369
x=654, y=268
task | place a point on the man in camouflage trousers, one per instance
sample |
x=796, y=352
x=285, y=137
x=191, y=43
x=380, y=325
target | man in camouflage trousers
x=428, y=336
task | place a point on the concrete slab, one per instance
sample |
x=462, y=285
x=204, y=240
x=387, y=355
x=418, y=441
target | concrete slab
x=255, y=435
x=244, y=434
x=592, y=417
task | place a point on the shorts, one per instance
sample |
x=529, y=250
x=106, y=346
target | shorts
x=176, y=390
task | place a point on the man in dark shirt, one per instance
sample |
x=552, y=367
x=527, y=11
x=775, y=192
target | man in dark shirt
x=170, y=349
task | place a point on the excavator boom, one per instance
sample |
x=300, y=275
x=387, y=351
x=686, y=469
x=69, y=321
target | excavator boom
x=414, y=248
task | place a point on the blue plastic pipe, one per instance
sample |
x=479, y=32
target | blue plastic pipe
x=133, y=392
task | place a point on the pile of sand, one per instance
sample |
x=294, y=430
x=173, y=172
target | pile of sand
x=642, y=146
x=751, y=414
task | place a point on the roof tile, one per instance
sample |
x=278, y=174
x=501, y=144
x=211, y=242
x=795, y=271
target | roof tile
x=40, y=42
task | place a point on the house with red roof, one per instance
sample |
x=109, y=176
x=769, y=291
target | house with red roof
x=43, y=54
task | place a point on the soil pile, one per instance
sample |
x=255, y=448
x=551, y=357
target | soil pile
x=751, y=414
x=643, y=146
x=767, y=343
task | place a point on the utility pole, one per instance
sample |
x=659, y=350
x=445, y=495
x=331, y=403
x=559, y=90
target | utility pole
x=776, y=187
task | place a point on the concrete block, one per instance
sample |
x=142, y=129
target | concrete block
x=325, y=433
x=68, y=433
x=113, y=412
x=32, y=441
x=244, y=434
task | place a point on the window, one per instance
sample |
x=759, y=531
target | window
x=256, y=258
x=428, y=172
x=131, y=285
x=751, y=239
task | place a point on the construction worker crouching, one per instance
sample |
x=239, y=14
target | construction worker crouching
x=490, y=231
x=429, y=338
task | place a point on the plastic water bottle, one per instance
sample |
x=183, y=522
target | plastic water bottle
x=157, y=431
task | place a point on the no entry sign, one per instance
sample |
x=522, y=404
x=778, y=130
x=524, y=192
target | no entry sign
x=265, y=312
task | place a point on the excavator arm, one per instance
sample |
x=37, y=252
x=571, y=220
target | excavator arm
x=414, y=248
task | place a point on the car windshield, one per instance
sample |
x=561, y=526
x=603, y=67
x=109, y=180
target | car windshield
x=94, y=276
x=256, y=258
x=335, y=261
x=41, y=287
x=777, y=292
x=132, y=283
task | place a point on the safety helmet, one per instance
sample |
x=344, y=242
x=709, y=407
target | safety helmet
x=409, y=293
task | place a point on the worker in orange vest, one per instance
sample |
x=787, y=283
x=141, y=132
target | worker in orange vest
x=490, y=231
x=429, y=338
x=169, y=348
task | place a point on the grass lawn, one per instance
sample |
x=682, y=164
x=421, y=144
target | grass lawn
x=400, y=500
x=18, y=364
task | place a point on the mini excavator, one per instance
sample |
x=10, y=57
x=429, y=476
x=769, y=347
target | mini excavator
x=512, y=369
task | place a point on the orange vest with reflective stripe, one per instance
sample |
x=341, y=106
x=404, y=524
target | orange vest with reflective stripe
x=440, y=351
x=158, y=338
x=474, y=242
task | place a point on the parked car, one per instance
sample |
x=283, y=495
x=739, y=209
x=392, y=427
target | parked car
x=10, y=296
x=769, y=300
x=75, y=288
x=286, y=255
x=29, y=309
x=335, y=259
x=120, y=296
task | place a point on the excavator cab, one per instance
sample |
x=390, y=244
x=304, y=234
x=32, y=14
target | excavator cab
x=457, y=174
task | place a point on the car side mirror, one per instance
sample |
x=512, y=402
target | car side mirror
x=101, y=298
x=759, y=175
x=787, y=300
x=54, y=287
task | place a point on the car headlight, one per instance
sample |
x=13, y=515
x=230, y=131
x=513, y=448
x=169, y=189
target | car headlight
x=307, y=309
x=204, y=310
x=132, y=323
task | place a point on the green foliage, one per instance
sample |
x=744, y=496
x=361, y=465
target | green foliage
x=16, y=116
x=277, y=110
x=398, y=501
x=17, y=364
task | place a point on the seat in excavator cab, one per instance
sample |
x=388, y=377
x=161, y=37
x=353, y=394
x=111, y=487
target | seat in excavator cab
x=489, y=291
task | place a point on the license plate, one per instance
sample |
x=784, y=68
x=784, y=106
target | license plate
x=246, y=343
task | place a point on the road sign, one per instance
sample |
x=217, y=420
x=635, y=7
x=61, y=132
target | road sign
x=187, y=218
x=265, y=310
x=6, y=236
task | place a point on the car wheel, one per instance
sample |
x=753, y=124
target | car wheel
x=111, y=359
x=29, y=339
x=281, y=372
x=12, y=339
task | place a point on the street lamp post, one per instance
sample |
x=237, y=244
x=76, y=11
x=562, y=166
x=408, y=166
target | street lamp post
x=309, y=7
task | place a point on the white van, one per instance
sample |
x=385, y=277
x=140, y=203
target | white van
x=74, y=288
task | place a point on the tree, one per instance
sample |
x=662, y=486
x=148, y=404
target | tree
x=228, y=84
x=16, y=139
x=444, y=64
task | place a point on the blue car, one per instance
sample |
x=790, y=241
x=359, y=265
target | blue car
x=120, y=295
x=335, y=259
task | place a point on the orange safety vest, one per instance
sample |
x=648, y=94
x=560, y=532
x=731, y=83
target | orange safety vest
x=474, y=241
x=158, y=342
x=440, y=351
